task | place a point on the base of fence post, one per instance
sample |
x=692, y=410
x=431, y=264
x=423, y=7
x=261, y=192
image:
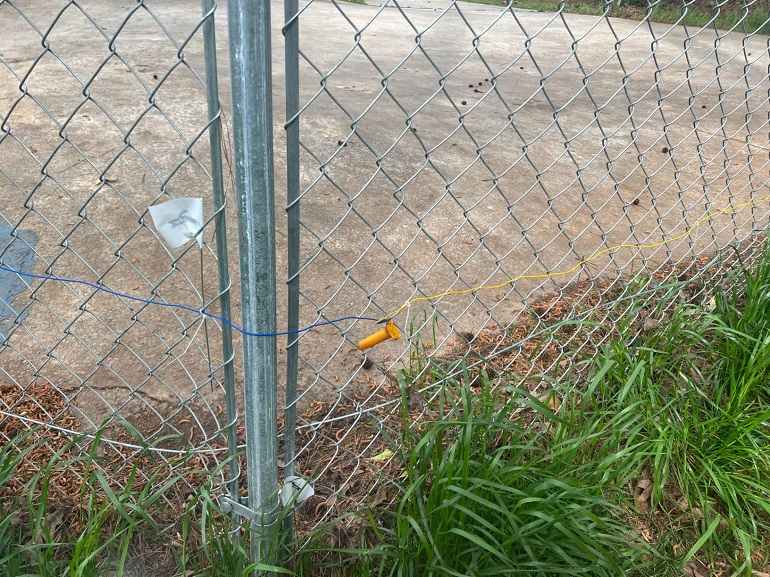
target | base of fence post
x=265, y=539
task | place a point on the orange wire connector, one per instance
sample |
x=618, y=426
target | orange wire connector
x=389, y=332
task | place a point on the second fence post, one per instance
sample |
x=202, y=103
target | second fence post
x=250, y=69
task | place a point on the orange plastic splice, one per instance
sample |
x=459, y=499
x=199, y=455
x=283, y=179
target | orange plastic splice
x=389, y=332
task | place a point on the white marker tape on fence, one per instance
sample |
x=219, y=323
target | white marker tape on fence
x=178, y=220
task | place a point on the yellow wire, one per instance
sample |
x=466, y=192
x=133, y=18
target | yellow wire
x=604, y=251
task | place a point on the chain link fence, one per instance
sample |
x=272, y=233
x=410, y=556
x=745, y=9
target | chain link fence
x=106, y=109
x=472, y=172
x=499, y=169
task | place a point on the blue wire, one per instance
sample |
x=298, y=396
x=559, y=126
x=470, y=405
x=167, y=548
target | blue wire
x=181, y=307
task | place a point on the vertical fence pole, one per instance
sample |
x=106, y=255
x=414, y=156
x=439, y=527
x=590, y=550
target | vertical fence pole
x=291, y=52
x=217, y=184
x=249, y=30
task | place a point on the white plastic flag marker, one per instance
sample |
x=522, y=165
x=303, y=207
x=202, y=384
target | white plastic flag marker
x=295, y=491
x=178, y=220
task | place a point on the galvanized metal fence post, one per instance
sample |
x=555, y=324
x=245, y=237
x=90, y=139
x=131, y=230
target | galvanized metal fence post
x=250, y=68
x=217, y=183
x=291, y=33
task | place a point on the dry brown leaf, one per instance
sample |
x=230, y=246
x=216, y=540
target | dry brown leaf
x=697, y=513
x=643, y=498
x=382, y=495
x=551, y=400
x=53, y=520
x=696, y=568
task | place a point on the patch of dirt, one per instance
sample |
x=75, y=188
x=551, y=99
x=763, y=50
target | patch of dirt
x=54, y=466
x=544, y=343
x=347, y=444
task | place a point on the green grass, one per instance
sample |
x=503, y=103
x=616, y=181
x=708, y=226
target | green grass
x=112, y=523
x=755, y=21
x=688, y=404
x=494, y=481
x=497, y=484
x=483, y=495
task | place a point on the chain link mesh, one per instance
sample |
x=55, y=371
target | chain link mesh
x=442, y=147
x=445, y=146
x=103, y=110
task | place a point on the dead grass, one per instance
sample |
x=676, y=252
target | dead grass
x=347, y=449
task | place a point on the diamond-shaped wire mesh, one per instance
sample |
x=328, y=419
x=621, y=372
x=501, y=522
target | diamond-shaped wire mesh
x=103, y=110
x=445, y=146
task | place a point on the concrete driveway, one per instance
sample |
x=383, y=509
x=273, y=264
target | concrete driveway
x=443, y=148
x=457, y=146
